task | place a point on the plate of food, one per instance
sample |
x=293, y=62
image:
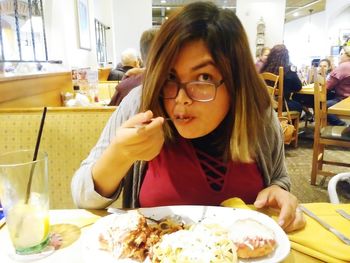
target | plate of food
x=186, y=234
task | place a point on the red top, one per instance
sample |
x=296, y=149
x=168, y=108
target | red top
x=183, y=175
x=339, y=79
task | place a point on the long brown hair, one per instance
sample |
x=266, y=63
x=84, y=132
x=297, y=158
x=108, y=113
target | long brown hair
x=278, y=57
x=227, y=42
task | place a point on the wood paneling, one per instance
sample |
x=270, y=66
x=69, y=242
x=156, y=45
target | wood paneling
x=35, y=90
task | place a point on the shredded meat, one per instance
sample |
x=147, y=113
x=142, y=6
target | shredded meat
x=135, y=243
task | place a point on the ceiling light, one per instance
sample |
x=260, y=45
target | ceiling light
x=168, y=8
x=163, y=1
x=296, y=14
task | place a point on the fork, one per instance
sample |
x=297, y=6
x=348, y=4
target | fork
x=144, y=123
x=118, y=211
x=177, y=218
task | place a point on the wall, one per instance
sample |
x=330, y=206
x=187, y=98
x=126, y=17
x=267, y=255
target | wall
x=129, y=23
x=62, y=34
x=323, y=28
x=306, y=38
x=340, y=21
x=272, y=12
x=104, y=14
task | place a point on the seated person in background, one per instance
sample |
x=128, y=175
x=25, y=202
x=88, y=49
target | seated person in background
x=265, y=51
x=307, y=101
x=279, y=56
x=133, y=77
x=339, y=81
x=325, y=66
x=201, y=75
x=315, y=62
x=129, y=60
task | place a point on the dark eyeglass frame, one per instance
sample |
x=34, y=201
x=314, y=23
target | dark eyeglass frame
x=183, y=85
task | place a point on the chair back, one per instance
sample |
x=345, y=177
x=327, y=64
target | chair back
x=320, y=101
x=274, y=84
x=325, y=135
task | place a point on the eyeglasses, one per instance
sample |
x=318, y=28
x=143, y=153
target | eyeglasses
x=202, y=91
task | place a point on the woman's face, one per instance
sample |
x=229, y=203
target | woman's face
x=191, y=118
x=343, y=56
x=265, y=55
x=324, y=66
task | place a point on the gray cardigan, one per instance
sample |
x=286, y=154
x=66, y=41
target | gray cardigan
x=270, y=160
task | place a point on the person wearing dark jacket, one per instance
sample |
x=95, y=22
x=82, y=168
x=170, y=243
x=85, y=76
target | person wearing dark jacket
x=134, y=76
x=129, y=60
x=279, y=56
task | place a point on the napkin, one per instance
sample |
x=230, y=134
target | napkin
x=318, y=242
x=314, y=240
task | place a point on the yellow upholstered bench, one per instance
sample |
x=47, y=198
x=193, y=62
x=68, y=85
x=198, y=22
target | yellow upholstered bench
x=68, y=136
x=106, y=89
x=103, y=73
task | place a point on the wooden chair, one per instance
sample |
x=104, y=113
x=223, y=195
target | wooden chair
x=274, y=85
x=68, y=136
x=325, y=135
x=271, y=81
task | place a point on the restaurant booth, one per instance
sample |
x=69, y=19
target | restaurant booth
x=68, y=135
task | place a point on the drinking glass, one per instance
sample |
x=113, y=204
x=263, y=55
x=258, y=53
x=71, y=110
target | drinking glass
x=25, y=200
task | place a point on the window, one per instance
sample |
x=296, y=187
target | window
x=22, y=31
x=101, y=45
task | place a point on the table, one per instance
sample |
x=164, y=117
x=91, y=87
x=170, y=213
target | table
x=307, y=89
x=73, y=223
x=342, y=108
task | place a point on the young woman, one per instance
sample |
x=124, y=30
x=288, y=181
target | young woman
x=200, y=130
x=279, y=56
x=325, y=66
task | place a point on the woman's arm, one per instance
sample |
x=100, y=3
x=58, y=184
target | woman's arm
x=97, y=183
x=82, y=186
x=332, y=82
x=270, y=152
x=129, y=145
x=277, y=194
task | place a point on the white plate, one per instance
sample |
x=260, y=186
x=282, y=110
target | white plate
x=223, y=215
